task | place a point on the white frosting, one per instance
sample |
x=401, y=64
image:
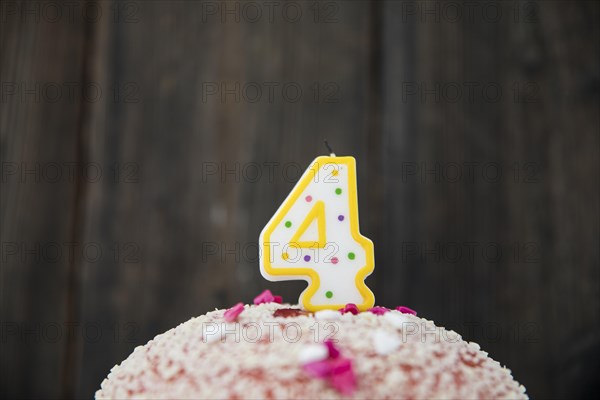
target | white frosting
x=330, y=315
x=397, y=319
x=312, y=352
x=388, y=360
x=384, y=342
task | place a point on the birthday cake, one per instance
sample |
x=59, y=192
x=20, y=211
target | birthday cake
x=278, y=351
x=334, y=344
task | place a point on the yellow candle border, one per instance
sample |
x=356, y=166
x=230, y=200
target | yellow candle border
x=365, y=243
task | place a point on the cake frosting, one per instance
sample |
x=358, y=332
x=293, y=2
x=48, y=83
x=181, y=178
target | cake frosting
x=278, y=351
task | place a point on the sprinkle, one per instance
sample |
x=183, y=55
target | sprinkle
x=288, y=224
x=333, y=351
x=328, y=315
x=285, y=256
x=232, y=313
x=336, y=368
x=396, y=320
x=349, y=308
x=406, y=310
x=475, y=345
x=351, y=255
x=329, y=294
x=312, y=353
x=211, y=337
x=334, y=260
x=338, y=191
x=340, y=217
x=318, y=369
x=377, y=310
x=384, y=342
x=342, y=376
x=307, y=258
x=267, y=297
x=308, y=198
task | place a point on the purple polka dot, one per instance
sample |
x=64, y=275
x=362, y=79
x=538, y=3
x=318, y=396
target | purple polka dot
x=306, y=258
x=340, y=217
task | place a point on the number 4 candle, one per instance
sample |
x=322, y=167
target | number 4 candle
x=314, y=236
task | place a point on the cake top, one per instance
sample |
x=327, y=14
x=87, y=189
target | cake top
x=272, y=350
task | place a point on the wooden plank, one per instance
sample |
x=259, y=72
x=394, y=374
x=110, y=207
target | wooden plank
x=168, y=212
x=41, y=67
x=185, y=218
x=562, y=213
x=531, y=308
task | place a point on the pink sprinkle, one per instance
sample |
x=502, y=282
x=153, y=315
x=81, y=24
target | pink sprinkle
x=232, y=314
x=319, y=369
x=334, y=260
x=333, y=351
x=377, y=310
x=337, y=369
x=308, y=198
x=267, y=297
x=342, y=376
x=349, y=308
x=406, y=310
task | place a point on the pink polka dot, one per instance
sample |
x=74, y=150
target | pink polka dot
x=334, y=260
x=308, y=198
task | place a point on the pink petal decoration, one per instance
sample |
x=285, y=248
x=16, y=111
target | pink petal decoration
x=342, y=376
x=267, y=297
x=318, y=369
x=377, y=310
x=333, y=351
x=232, y=313
x=340, y=365
x=351, y=308
x=406, y=310
x=337, y=369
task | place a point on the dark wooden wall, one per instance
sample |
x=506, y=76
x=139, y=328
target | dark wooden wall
x=504, y=94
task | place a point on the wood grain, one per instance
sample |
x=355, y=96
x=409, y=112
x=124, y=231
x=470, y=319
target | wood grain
x=43, y=104
x=515, y=305
x=197, y=100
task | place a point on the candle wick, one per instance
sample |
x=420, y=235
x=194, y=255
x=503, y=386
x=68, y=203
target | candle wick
x=331, y=153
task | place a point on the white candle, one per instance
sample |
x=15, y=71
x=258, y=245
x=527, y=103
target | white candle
x=314, y=236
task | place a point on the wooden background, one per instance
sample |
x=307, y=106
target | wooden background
x=93, y=266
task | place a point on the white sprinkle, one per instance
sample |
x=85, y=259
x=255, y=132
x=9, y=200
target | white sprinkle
x=312, y=352
x=384, y=342
x=474, y=345
x=212, y=336
x=328, y=314
x=396, y=319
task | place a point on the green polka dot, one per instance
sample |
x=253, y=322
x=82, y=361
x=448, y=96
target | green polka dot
x=288, y=224
x=338, y=191
x=329, y=294
x=351, y=256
